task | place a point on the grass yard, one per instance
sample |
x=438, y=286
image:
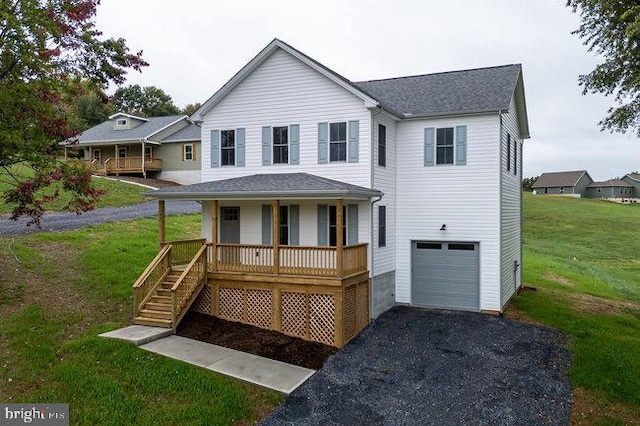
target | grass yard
x=116, y=193
x=59, y=291
x=583, y=258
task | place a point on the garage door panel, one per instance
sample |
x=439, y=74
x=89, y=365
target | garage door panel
x=445, y=275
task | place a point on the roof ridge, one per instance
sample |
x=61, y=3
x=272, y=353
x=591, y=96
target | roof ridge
x=437, y=73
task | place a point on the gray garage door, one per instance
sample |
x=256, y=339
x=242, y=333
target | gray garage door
x=445, y=275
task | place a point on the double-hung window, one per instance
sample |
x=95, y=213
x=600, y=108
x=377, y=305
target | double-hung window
x=382, y=226
x=283, y=226
x=382, y=145
x=444, y=145
x=338, y=141
x=333, y=225
x=187, y=152
x=148, y=151
x=228, y=148
x=281, y=145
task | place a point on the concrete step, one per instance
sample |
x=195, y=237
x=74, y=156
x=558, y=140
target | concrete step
x=152, y=322
x=149, y=313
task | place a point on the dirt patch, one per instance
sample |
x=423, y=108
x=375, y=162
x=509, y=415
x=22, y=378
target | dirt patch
x=559, y=279
x=597, y=305
x=590, y=409
x=254, y=340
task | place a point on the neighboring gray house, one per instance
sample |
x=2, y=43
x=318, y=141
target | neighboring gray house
x=634, y=180
x=571, y=184
x=612, y=188
x=160, y=147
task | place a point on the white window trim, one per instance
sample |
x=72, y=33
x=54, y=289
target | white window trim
x=273, y=144
x=435, y=147
x=93, y=154
x=121, y=122
x=235, y=148
x=346, y=141
x=193, y=153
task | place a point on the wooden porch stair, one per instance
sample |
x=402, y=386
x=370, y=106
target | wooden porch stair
x=156, y=312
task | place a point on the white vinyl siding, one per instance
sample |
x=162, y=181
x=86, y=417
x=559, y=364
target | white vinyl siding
x=466, y=199
x=510, y=205
x=384, y=179
x=284, y=90
x=251, y=220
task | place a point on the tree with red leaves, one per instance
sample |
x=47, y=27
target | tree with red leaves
x=44, y=46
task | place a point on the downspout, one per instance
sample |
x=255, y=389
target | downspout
x=499, y=207
x=372, y=177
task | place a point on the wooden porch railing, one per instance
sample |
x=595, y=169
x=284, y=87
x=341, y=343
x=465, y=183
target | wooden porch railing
x=187, y=287
x=115, y=164
x=146, y=285
x=293, y=260
x=183, y=251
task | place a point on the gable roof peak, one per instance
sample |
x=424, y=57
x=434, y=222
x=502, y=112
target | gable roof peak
x=122, y=114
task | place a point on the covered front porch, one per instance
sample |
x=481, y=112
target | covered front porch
x=135, y=157
x=318, y=292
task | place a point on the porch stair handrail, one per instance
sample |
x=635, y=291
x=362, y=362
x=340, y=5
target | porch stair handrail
x=146, y=285
x=188, y=286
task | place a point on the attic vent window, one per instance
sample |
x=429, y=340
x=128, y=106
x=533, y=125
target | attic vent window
x=121, y=122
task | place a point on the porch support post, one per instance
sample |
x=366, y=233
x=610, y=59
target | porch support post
x=276, y=237
x=144, y=170
x=161, y=221
x=339, y=237
x=214, y=235
x=117, y=156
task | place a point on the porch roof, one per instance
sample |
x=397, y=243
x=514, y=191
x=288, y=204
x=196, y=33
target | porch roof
x=267, y=186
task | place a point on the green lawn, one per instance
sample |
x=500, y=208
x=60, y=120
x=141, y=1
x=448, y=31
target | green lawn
x=64, y=289
x=583, y=257
x=116, y=193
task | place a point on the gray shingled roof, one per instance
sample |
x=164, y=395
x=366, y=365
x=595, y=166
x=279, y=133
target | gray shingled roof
x=104, y=132
x=277, y=185
x=550, y=180
x=189, y=133
x=610, y=183
x=455, y=92
x=634, y=176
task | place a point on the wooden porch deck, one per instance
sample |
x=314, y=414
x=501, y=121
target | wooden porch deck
x=316, y=293
x=114, y=166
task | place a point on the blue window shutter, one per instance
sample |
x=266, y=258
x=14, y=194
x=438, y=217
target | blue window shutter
x=266, y=146
x=266, y=224
x=429, y=146
x=294, y=144
x=461, y=145
x=215, y=148
x=323, y=136
x=294, y=225
x=323, y=225
x=352, y=224
x=240, y=147
x=354, y=140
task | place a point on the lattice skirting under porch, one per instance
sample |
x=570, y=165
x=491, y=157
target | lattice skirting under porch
x=326, y=314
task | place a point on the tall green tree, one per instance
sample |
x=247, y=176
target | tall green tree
x=148, y=101
x=611, y=28
x=44, y=43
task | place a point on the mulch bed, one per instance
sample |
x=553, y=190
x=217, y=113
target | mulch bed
x=254, y=340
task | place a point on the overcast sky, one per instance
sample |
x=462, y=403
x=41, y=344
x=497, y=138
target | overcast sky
x=195, y=46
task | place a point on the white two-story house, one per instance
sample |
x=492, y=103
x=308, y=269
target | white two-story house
x=322, y=195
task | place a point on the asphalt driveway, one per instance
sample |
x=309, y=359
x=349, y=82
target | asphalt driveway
x=414, y=366
x=66, y=221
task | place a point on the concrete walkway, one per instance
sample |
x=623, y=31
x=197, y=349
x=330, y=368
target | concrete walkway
x=276, y=375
